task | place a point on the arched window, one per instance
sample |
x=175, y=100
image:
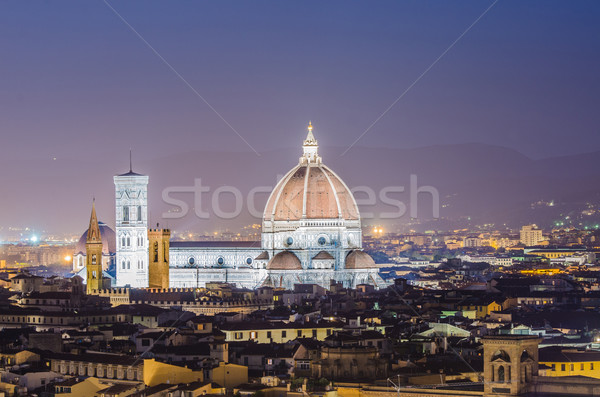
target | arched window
x=128, y=264
x=123, y=241
x=501, y=374
x=139, y=213
x=128, y=241
x=501, y=355
x=156, y=251
x=123, y=265
x=94, y=259
x=125, y=214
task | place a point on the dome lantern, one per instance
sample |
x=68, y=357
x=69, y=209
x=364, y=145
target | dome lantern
x=310, y=148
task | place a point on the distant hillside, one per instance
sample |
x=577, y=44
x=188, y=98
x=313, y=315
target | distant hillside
x=486, y=183
x=483, y=182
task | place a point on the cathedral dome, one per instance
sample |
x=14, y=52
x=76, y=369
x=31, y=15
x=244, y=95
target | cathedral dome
x=357, y=259
x=323, y=255
x=284, y=260
x=311, y=191
x=108, y=240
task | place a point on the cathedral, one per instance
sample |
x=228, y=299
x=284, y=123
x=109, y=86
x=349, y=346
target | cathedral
x=311, y=233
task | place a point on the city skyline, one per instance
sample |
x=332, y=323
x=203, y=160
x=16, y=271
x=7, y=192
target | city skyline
x=299, y=199
x=540, y=198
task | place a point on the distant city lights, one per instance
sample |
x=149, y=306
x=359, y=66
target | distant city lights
x=377, y=230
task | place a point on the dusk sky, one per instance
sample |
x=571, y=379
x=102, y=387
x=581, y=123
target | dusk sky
x=79, y=86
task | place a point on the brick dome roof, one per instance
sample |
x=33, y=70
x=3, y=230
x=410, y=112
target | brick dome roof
x=284, y=260
x=311, y=191
x=357, y=259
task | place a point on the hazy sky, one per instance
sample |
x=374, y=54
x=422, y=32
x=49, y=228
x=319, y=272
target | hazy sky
x=77, y=83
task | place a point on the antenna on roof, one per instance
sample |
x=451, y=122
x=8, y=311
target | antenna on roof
x=130, y=166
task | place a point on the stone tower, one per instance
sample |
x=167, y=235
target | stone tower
x=131, y=220
x=158, y=258
x=510, y=363
x=93, y=250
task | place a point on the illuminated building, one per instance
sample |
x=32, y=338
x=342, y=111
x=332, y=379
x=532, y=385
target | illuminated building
x=311, y=233
x=108, y=249
x=497, y=242
x=93, y=249
x=531, y=235
x=471, y=242
x=311, y=228
x=555, y=253
x=158, y=264
x=131, y=192
x=570, y=362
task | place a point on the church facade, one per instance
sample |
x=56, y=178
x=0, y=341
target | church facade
x=311, y=233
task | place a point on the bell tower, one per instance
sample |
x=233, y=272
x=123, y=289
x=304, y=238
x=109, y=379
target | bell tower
x=93, y=250
x=131, y=221
x=510, y=363
x=158, y=260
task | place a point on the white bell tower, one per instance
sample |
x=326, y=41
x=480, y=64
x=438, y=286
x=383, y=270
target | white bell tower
x=131, y=221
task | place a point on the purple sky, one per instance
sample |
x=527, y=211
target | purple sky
x=79, y=86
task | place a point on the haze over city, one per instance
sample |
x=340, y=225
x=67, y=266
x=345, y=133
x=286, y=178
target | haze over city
x=81, y=89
